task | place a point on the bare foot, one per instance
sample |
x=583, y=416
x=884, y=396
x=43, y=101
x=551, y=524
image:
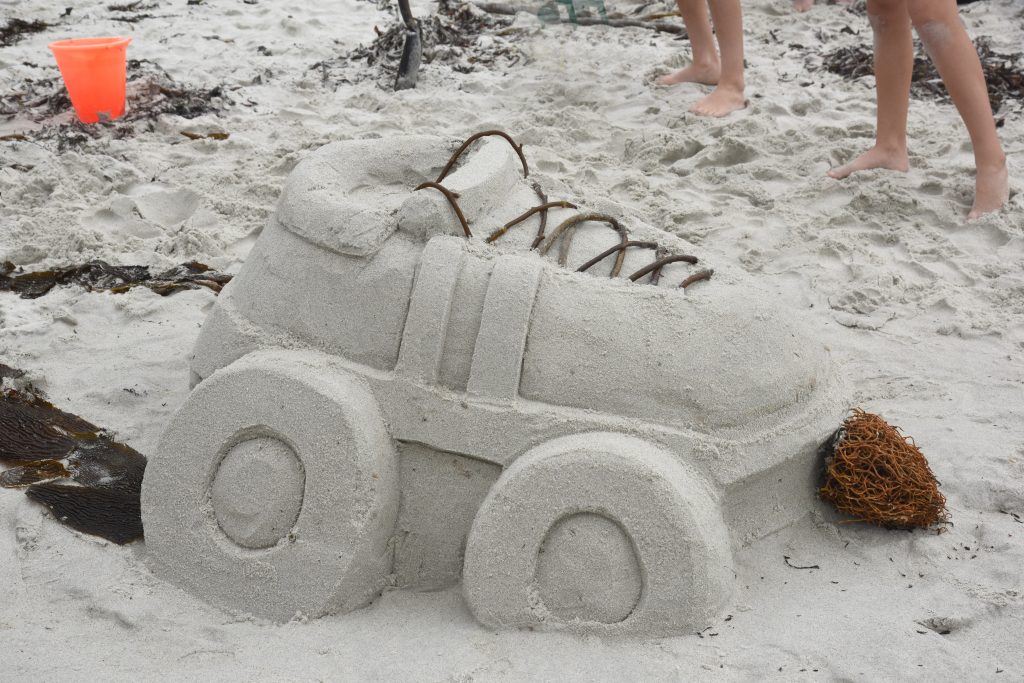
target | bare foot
x=991, y=192
x=876, y=157
x=803, y=5
x=721, y=101
x=695, y=73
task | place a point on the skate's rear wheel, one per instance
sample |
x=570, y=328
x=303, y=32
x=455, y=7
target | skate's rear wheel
x=274, y=489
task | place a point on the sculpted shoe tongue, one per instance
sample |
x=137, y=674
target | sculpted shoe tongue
x=346, y=196
x=490, y=190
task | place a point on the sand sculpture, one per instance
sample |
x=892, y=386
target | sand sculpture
x=382, y=401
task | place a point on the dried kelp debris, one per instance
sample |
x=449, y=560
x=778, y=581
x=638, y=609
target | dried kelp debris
x=133, y=12
x=9, y=373
x=103, y=277
x=1004, y=73
x=137, y=6
x=459, y=35
x=89, y=481
x=877, y=475
x=151, y=93
x=16, y=29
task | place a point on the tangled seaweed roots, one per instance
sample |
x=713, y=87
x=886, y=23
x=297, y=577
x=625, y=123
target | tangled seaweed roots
x=879, y=476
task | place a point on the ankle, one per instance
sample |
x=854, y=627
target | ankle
x=992, y=162
x=736, y=85
x=707, y=64
x=892, y=147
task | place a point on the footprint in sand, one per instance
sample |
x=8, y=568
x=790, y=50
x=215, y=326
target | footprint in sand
x=145, y=211
x=120, y=218
x=685, y=150
x=729, y=153
x=945, y=626
x=859, y=302
x=980, y=237
x=163, y=205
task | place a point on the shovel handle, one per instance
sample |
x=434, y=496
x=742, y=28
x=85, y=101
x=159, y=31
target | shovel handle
x=406, y=12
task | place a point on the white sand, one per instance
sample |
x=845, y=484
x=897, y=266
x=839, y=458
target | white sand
x=923, y=311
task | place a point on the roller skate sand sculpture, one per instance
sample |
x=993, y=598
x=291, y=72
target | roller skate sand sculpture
x=383, y=400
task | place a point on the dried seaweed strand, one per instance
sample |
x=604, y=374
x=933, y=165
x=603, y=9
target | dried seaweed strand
x=519, y=219
x=611, y=250
x=697, y=277
x=660, y=253
x=675, y=258
x=543, y=215
x=452, y=198
x=568, y=227
x=473, y=138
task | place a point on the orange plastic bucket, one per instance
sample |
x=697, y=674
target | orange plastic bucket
x=94, y=73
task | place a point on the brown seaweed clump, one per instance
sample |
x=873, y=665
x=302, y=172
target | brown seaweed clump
x=103, y=277
x=89, y=481
x=877, y=475
x=1004, y=73
x=16, y=29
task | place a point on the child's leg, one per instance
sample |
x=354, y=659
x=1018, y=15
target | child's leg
x=728, y=96
x=894, y=64
x=944, y=37
x=705, y=67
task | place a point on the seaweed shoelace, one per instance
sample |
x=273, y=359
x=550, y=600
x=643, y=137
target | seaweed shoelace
x=566, y=230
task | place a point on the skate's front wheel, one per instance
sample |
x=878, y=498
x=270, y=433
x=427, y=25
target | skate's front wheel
x=602, y=533
x=274, y=490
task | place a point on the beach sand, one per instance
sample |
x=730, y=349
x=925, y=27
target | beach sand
x=922, y=312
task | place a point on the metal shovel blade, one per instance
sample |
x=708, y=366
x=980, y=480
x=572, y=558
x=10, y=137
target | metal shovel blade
x=412, y=51
x=408, y=68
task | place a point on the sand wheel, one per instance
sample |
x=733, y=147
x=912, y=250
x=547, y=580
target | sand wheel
x=598, y=532
x=274, y=489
